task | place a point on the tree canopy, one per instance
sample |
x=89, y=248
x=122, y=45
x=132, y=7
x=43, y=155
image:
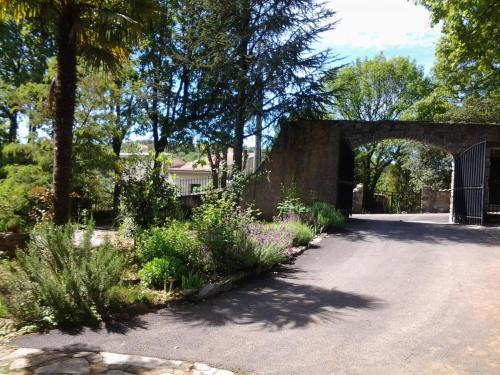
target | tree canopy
x=468, y=52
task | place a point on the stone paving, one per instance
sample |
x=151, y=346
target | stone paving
x=26, y=361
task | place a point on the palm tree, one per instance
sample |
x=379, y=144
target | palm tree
x=98, y=32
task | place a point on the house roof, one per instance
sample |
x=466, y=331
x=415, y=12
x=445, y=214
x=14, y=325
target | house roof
x=191, y=166
x=180, y=165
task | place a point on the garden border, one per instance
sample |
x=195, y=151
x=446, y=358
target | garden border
x=212, y=289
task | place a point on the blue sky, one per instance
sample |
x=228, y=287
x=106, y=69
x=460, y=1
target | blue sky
x=395, y=27
x=367, y=27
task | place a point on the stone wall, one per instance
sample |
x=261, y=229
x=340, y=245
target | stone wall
x=452, y=137
x=305, y=154
x=435, y=201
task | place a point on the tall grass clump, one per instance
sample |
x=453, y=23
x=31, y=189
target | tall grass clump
x=58, y=282
x=302, y=233
x=325, y=217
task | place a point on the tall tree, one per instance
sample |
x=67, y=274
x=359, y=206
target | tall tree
x=166, y=60
x=373, y=90
x=260, y=57
x=98, y=32
x=468, y=54
x=23, y=61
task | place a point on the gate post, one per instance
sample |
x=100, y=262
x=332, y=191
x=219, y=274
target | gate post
x=487, y=173
x=452, y=191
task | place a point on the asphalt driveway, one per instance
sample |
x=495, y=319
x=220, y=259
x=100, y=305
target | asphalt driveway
x=389, y=295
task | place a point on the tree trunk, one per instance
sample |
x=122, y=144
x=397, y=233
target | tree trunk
x=258, y=128
x=117, y=146
x=13, y=126
x=242, y=85
x=214, y=166
x=65, y=88
x=223, y=179
x=154, y=117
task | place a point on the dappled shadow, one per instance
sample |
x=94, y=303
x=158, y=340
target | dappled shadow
x=369, y=230
x=74, y=348
x=273, y=302
x=121, y=326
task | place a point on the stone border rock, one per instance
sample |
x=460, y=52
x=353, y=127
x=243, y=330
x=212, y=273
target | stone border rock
x=29, y=361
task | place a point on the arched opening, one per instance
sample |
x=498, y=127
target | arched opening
x=396, y=176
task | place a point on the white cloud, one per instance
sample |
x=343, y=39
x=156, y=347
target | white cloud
x=380, y=24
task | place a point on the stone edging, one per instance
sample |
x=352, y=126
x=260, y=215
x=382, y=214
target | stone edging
x=29, y=361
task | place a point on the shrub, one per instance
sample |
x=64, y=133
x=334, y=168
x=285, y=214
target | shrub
x=302, y=233
x=147, y=197
x=175, y=240
x=220, y=224
x=270, y=244
x=57, y=282
x=325, y=217
x=291, y=206
x=15, y=200
x=3, y=310
x=156, y=271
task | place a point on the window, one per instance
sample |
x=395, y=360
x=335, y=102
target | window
x=195, y=188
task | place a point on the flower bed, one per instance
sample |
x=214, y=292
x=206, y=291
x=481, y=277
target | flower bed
x=59, y=281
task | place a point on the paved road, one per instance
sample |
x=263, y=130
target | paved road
x=397, y=295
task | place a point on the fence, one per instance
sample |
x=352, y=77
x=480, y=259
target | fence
x=191, y=186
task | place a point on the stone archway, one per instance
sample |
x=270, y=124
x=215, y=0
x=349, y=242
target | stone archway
x=313, y=154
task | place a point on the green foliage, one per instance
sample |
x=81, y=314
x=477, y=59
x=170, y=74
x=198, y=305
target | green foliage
x=174, y=240
x=192, y=281
x=219, y=223
x=121, y=296
x=157, y=271
x=147, y=197
x=27, y=172
x=302, y=233
x=427, y=166
x=475, y=110
x=58, y=282
x=373, y=90
x=325, y=217
x=397, y=82
x=468, y=52
x=291, y=206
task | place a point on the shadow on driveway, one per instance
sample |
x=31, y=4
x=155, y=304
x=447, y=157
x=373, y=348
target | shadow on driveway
x=272, y=302
x=379, y=230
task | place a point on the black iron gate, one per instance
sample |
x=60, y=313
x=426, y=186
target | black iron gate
x=469, y=183
x=345, y=178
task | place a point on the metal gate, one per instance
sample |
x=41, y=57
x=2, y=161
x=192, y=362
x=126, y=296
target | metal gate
x=469, y=184
x=345, y=178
